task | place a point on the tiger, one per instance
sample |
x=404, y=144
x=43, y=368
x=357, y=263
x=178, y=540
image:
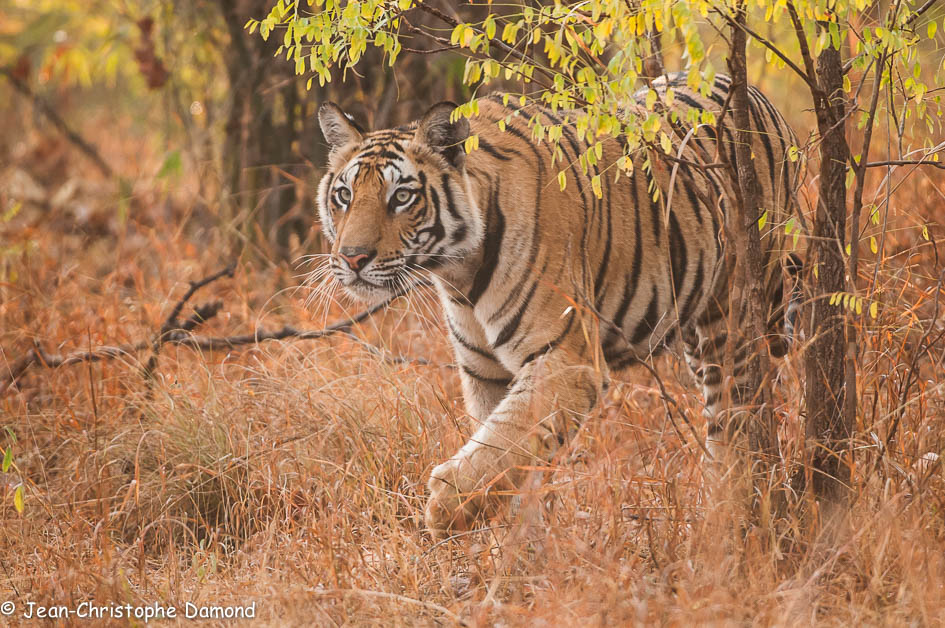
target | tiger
x=547, y=287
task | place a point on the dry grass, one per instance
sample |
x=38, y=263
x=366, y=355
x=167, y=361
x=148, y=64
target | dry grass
x=293, y=474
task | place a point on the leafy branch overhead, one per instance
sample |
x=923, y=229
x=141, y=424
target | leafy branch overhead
x=590, y=57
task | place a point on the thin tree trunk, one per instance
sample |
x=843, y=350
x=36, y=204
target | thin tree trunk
x=750, y=323
x=262, y=125
x=828, y=427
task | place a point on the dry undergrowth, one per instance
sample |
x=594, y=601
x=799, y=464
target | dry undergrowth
x=293, y=474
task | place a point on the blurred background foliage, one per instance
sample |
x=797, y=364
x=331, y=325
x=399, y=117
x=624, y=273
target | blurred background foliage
x=182, y=94
x=179, y=91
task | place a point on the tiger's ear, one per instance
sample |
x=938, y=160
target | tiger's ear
x=445, y=137
x=337, y=126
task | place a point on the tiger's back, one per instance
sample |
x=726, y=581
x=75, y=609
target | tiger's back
x=645, y=269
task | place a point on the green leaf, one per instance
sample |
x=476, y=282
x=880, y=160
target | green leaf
x=171, y=166
x=933, y=26
x=490, y=27
x=650, y=99
x=763, y=220
x=7, y=459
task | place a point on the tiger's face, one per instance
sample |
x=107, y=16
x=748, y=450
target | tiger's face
x=395, y=204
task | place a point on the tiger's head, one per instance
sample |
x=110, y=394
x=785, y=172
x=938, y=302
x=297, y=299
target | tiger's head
x=395, y=204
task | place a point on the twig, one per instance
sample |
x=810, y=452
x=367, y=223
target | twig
x=805, y=52
x=201, y=315
x=809, y=79
x=173, y=333
x=918, y=12
x=906, y=162
x=59, y=123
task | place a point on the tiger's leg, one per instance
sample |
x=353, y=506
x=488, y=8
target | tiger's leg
x=691, y=353
x=547, y=393
x=706, y=359
x=484, y=379
x=726, y=411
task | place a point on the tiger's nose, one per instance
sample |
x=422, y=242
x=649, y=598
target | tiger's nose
x=356, y=257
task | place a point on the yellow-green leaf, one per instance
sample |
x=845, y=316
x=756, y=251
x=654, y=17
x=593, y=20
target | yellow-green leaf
x=873, y=246
x=925, y=231
x=18, y=499
x=471, y=143
x=665, y=143
x=11, y=213
x=595, y=185
x=490, y=27
x=562, y=179
x=763, y=220
x=874, y=309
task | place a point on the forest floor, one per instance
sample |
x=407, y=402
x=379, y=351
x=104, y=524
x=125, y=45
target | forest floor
x=291, y=474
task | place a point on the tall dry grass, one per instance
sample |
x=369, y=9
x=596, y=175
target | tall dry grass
x=293, y=474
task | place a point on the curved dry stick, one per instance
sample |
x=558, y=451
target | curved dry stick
x=175, y=333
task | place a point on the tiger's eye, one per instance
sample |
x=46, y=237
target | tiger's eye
x=345, y=195
x=402, y=196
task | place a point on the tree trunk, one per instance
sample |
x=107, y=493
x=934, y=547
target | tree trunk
x=264, y=121
x=828, y=429
x=748, y=299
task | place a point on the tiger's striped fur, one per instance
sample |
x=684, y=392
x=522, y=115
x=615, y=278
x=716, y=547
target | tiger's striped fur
x=546, y=291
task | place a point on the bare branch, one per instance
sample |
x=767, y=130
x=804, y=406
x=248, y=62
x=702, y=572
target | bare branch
x=808, y=78
x=920, y=11
x=906, y=162
x=47, y=110
x=174, y=333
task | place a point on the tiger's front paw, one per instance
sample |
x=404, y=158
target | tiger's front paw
x=457, y=497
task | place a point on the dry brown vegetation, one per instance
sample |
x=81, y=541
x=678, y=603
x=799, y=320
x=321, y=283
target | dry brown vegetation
x=293, y=473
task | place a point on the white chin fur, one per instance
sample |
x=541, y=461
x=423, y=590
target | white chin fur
x=370, y=295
